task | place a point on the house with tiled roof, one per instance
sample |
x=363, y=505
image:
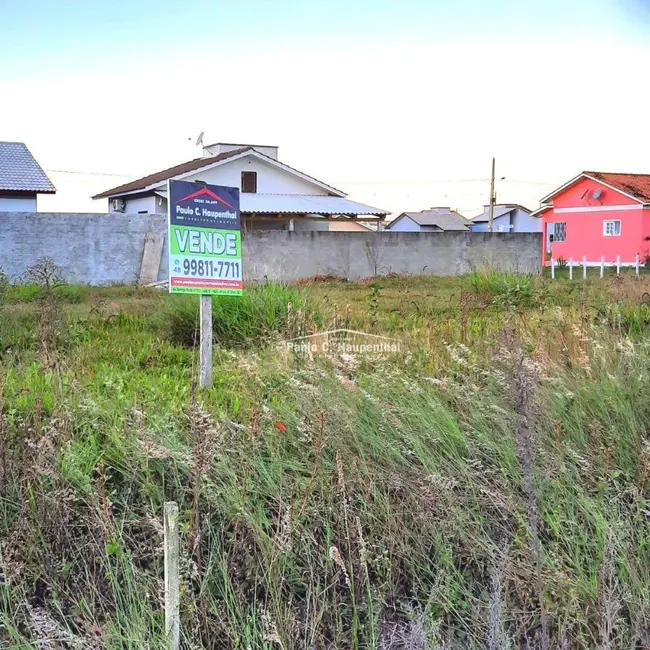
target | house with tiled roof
x=598, y=216
x=273, y=195
x=21, y=179
x=431, y=220
x=506, y=217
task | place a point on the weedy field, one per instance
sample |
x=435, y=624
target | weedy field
x=486, y=487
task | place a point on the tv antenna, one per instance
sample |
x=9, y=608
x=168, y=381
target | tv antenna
x=199, y=140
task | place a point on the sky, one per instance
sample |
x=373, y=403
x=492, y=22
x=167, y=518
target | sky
x=402, y=104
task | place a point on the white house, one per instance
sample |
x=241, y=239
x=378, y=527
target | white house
x=508, y=217
x=432, y=220
x=273, y=196
x=21, y=179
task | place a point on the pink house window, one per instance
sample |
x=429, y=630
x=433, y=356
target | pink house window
x=611, y=228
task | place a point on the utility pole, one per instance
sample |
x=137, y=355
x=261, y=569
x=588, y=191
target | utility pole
x=492, y=197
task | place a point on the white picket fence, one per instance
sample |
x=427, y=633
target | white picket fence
x=571, y=264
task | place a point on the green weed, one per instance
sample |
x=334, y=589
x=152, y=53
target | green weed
x=17, y=293
x=506, y=288
x=255, y=317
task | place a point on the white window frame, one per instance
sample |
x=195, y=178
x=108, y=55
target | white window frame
x=615, y=226
x=555, y=237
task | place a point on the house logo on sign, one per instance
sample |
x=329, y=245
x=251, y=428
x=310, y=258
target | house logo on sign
x=206, y=208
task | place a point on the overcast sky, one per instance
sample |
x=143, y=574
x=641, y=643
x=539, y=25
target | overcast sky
x=400, y=103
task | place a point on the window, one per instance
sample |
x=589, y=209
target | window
x=249, y=182
x=611, y=228
x=558, y=232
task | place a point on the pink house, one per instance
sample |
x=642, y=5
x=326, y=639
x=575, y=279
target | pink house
x=598, y=215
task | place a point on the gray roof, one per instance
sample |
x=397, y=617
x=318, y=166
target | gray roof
x=443, y=218
x=499, y=211
x=300, y=204
x=19, y=171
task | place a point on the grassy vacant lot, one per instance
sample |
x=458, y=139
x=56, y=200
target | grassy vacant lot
x=487, y=487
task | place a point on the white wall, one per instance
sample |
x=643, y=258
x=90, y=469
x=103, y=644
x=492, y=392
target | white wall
x=525, y=223
x=270, y=179
x=142, y=205
x=18, y=203
x=216, y=149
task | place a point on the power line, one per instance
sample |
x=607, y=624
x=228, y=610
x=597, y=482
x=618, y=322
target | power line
x=401, y=182
x=74, y=171
x=432, y=182
x=396, y=182
x=507, y=180
x=414, y=182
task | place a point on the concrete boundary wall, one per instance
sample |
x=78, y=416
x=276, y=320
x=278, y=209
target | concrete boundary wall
x=101, y=249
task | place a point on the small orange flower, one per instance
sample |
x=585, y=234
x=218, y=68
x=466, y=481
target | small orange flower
x=280, y=426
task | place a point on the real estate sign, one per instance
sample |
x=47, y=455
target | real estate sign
x=205, y=249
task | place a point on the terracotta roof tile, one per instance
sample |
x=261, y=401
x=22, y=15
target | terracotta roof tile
x=171, y=172
x=636, y=185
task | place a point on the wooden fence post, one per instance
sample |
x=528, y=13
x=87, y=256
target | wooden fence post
x=618, y=265
x=602, y=266
x=172, y=586
x=638, y=265
x=552, y=269
x=584, y=268
x=570, y=268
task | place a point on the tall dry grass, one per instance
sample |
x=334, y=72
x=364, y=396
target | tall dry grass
x=486, y=488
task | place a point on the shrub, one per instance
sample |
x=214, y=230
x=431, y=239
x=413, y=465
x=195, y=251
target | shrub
x=632, y=319
x=506, y=288
x=72, y=293
x=23, y=293
x=45, y=273
x=239, y=321
x=31, y=292
x=17, y=331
